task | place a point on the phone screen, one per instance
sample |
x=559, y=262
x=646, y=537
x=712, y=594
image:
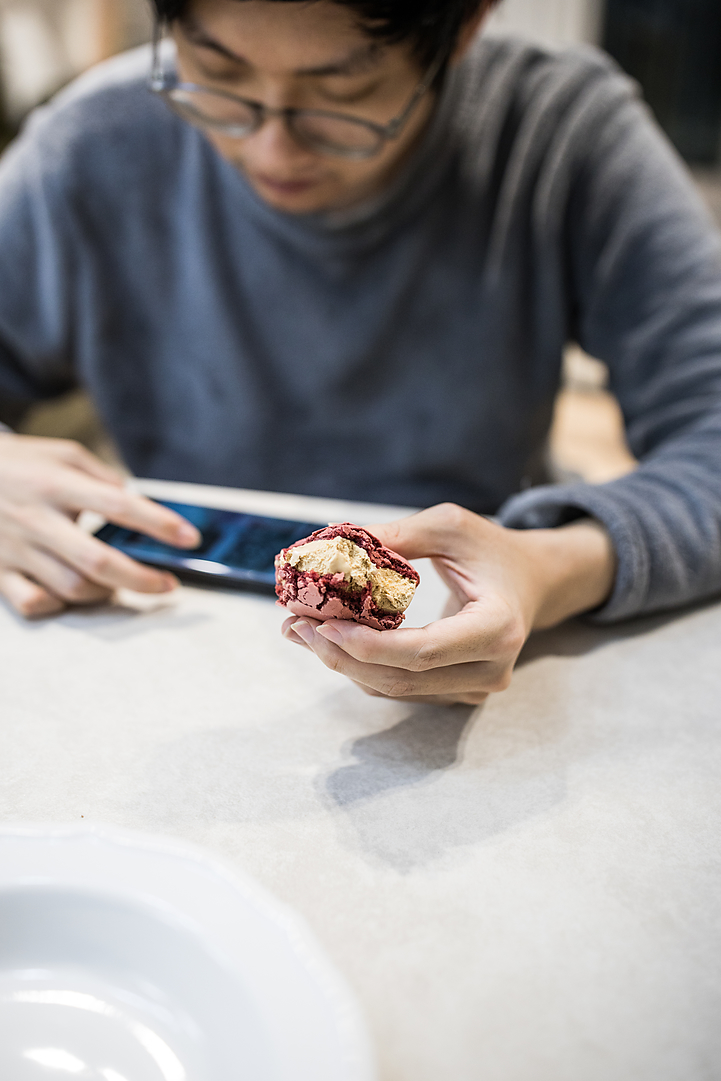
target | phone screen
x=236, y=549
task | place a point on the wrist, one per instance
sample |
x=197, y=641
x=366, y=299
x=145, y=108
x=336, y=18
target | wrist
x=572, y=570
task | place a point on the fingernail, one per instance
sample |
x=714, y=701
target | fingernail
x=331, y=633
x=188, y=534
x=170, y=583
x=304, y=631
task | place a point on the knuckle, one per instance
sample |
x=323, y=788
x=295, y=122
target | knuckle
x=27, y=519
x=335, y=663
x=392, y=532
x=74, y=450
x=452, y=517
x=28, y=607
x=77, y=589
x=515, y=638
x=98, y=563
x=427, y=657
x=508, y=638
x=476, y=698
x=117, y=502
x=63, y=451
x=501, y=681
x=35, y=604
x=398, y=688
x=372, y=693
x=513, y=641
x=49, y=488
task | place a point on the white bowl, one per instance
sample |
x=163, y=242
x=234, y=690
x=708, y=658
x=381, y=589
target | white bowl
x=132, y=958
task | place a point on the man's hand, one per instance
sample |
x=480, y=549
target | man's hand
x=504, y=584
x=46, y=560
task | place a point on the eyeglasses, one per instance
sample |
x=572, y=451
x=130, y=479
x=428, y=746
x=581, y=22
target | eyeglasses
x=328, y=133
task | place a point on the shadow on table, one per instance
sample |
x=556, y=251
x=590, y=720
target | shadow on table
x=406, y=796
x=578, y=636
x=426, y=742
x=405, y=802
x=117, y=622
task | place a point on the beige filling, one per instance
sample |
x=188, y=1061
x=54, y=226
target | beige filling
x=391, y=592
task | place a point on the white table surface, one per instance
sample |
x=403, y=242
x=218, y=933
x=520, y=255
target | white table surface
x=530, y=891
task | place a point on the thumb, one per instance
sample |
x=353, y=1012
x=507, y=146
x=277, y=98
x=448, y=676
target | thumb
x=440, y=532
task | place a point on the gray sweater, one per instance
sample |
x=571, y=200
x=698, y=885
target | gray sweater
x=409, y=353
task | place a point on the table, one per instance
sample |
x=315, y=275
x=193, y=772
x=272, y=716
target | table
x=528, y=891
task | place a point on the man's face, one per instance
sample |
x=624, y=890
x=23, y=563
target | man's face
x=301, y=55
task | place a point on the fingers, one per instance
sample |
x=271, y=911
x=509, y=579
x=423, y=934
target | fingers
x=136, y=512
x=27, y=598
x=451, y=680
x=45, y=484
x=61, y=581
x=455, y=696
x=290, y=635
x=76, y=455
x=461, y=658
x=125, y=508
x=95, y=561
x=64, y=475
x=479, y=633
x=475, y=699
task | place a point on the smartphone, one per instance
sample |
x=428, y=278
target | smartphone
x=236, y=550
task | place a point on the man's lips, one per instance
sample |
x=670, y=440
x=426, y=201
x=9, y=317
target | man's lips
x=285, y=187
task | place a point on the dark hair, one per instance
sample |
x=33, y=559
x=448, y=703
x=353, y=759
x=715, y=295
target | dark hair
x=431, y=26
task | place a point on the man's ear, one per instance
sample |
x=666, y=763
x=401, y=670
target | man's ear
x=469, y=31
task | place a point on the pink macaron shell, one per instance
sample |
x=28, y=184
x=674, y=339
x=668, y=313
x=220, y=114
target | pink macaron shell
x=334, y=609
x=322, y=597
x=318, y=604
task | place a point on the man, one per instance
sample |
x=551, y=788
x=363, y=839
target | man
x=353, y=274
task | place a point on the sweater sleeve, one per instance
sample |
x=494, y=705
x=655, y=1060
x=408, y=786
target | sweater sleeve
x=644, y=261
x=35, y=273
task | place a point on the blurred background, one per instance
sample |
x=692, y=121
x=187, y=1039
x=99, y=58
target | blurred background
x=45, y=43
x=672, y=47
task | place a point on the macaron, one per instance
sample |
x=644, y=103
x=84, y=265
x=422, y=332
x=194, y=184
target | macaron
x=344, y=572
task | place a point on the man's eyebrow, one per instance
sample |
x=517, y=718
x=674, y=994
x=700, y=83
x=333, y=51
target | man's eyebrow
x=195, y=33
x=356, y=62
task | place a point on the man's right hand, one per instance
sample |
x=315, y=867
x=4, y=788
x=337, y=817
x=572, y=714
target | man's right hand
x=46, y=561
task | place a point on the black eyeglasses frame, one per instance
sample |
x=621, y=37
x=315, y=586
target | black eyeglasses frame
x=165, y=84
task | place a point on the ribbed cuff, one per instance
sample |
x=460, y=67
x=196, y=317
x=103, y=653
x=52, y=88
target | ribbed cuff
x=551, y=506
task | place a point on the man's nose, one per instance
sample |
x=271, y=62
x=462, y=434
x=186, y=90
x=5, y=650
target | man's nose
x=274, y=145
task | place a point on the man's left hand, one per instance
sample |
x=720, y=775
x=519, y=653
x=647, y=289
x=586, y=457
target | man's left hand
x=504, y=583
